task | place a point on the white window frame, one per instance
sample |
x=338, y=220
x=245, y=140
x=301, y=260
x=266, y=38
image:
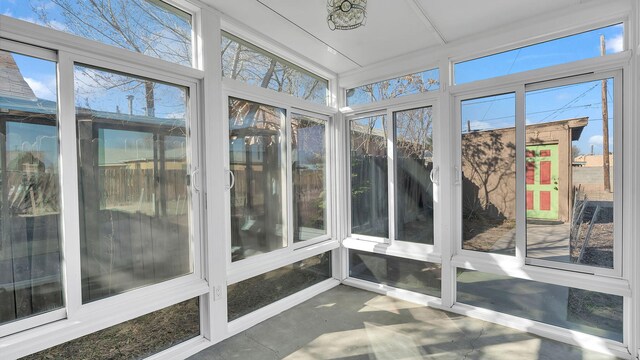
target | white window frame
x=618, y=155
x=616, y=281
x=77, y=319
x=390, y=245
x=240, y=31
x=57, y=314
x=328, y=176
x=348, y=120
x=258, y=264
x=594, y=69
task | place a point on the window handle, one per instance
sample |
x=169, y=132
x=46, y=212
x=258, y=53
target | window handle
x=233, y=180
x=194, y=179
x=434, y=175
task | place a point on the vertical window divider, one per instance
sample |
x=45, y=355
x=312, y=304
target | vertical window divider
x=193, y=151
x=391, y=177
x=70, y=225
x=436, y=155
x=329, y=177
x=343, y=200
x=521, y=213
x=445, y=237
x=620, y=242
x=288, y=196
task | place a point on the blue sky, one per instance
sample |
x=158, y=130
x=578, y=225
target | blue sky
x=579, y=100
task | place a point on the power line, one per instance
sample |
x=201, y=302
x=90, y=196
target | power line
x=563, y=108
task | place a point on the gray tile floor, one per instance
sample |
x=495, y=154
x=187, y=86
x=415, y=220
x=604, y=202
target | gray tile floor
x=347, y=323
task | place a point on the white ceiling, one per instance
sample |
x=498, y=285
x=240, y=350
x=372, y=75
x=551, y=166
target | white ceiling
x=393, y=28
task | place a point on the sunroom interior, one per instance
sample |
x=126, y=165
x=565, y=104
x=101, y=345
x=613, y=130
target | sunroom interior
x=175, y=172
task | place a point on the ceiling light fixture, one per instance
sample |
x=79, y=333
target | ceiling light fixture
x=346, y=14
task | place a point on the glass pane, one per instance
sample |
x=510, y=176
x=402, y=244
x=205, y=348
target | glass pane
x=30, y=277
x=369, y=202
x=256, y=155
x=489, y=174
x=428, y=80
x=149, y=27
x=402, y=273
x=248, y=63
x=135, y=339
x=259, y=291
x=414, y=162
x=586, y=311
x=570, y=172
x=559, y=51
x=134, y=195
x=308, y=149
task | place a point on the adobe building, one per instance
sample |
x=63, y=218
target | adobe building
x=488, y=163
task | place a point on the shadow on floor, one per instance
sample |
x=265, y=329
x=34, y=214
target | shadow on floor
x=348, y=324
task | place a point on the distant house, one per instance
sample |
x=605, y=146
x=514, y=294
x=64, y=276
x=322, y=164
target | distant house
x=489, y=169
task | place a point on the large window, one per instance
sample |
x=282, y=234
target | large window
x=413, y=139
x=134, y=192
x=150, y=27
x=488, y=174
x=267, y=151
x=407, y=274
x=420, y=82
x=590, y=44
x=248, y=63
x=586, y=311
x=410, y=171
x=30, y=256
x=259, y=291
x=571, y=161
x=309, y=167
x=369, y=183
x=257, y=152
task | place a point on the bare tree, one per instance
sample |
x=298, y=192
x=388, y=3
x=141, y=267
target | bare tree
x=389, y=89
x=243, y=61
x=143, y=26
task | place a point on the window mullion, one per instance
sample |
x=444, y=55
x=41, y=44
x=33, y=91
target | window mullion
x=391, y=174
x=521, y=213
x=288, y=196
x=69, y=184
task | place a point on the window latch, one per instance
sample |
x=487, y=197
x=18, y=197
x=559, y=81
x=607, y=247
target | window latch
x=434, y=175
x=232, y=180
x=194, y=179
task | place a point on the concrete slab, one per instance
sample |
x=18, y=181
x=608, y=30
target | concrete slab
x=349, y=324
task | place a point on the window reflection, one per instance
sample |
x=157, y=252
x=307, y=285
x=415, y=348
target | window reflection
x=369, y=202
x=308, y=146
x=428, y=80
x=250, y=64
x=134, y=192
x=586, y=311
x=414, y=162
x=489, y=174
x=570, y=173
x=150, y=27
x=30, y=277
x=256, y=152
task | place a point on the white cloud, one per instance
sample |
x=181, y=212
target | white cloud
x=596, y=140
x=477, y=125
x=615, y=45
x=43, y=90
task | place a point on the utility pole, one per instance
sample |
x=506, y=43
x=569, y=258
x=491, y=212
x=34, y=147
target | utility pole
x=605, y=126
